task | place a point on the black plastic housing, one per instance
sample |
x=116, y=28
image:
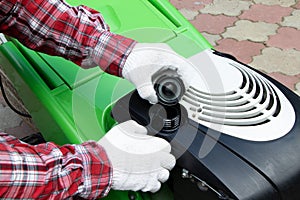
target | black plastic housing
x=237, y=168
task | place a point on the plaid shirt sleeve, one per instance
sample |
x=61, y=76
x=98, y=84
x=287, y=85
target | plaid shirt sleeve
x=77, y=33
x=47, y=171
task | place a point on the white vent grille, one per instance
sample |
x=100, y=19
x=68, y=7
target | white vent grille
x=251, y=107
x=254, y=102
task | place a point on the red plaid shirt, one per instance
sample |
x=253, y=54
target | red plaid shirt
x=47, y=171
x=79, y=34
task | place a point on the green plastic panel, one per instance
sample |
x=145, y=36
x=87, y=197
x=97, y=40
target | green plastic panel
x=70, y=104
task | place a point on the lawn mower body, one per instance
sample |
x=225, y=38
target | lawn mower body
x=231, y=143
x=239, y=133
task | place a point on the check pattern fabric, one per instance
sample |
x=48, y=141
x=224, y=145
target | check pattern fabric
x=79, y=34
x=48, y=171
x=76, y=33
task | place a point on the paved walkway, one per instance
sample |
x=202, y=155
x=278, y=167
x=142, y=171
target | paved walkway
x=262, y=33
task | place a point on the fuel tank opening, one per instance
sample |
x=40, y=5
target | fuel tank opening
x=166, y=119
x=158, y=118
x=168, y=86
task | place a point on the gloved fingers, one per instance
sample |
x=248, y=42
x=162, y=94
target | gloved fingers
x=185, y=77
x=156, y=187
x=133, y=182
x=189, y=72
x=167, y=147
x=132, y=127
x=163, y=175
x=168, y=161
x=139, y=129
x=152, y=186
x=147, y=92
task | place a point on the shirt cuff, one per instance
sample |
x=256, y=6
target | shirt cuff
x=110, y=53
x=97, y=173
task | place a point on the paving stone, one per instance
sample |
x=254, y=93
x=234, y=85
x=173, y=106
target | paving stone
x=297, y=5
x=189, y=14
x=20, y=131
x=288, y=81
x=12, y=123
x=213, y=24
x=227, y=7
x=277, y=60
x=266, y=13
x=286, y=38
x=242, y=50
x=190, y=4
x=284, y=3
x=254, y=31
x=1, y=99
x=293, y=20
x=211, y=38
x=8, y=118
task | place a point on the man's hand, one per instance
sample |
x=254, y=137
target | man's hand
x=140, y=162
x=146, y=59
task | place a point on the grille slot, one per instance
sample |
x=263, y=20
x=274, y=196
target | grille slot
x=254, y=102
x=233, y=99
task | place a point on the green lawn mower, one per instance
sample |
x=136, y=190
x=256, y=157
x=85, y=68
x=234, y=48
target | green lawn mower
x=235, y=132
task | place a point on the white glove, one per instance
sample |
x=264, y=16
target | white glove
x=146, y=59
x=140, y=162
